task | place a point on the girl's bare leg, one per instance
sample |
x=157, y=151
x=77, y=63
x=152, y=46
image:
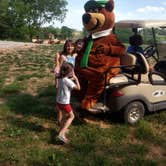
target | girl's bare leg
x=66, y=124
x=59, y=115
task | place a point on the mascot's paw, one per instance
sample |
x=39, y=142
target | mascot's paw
x=99, y=108
x=93, y=107
x=88, y=103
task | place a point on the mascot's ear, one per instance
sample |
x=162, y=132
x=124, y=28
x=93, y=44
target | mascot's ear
x=110, y=5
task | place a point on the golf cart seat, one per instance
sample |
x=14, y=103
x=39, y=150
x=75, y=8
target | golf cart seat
x=147, y=76
x=129, y=68
x=135, y=69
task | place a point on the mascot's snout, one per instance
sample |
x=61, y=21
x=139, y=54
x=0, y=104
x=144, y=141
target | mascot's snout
x=97, y=12
x=93, y=21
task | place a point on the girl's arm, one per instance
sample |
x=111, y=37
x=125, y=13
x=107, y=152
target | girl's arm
x=62, y=59
x=75, y=55
x=57, y=63
x=77, y=87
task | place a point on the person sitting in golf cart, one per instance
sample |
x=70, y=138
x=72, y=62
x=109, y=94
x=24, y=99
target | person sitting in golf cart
x=135, y=47
x=135, y=44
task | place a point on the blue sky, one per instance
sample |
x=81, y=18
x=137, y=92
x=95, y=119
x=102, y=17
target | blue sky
x=124, y=9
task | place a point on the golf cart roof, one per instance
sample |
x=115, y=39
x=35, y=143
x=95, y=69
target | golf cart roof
x=141, y=24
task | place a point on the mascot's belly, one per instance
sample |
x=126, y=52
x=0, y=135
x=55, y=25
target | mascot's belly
x=105, y=54
x=102, y=65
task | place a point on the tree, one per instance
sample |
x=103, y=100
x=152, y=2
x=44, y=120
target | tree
x=55, y=31
x=4, y=27
x=39, y=12
x=66, y=32
x=30, y=15
x=123, y=34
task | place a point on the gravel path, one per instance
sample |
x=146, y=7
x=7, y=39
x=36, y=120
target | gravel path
x=11, y=44
x=7, y=45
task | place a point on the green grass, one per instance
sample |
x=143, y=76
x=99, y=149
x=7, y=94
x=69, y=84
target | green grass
x=28, y=122
x=11, y=88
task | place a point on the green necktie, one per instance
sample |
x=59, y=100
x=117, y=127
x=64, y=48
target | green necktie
x=84, y=61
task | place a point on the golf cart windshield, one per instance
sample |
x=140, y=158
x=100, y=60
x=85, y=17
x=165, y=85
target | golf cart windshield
x=153, y=32
x=141, y=24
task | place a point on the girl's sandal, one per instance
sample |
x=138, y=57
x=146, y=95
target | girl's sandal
x=64, y=140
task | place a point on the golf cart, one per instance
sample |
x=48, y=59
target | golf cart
x=137, y=89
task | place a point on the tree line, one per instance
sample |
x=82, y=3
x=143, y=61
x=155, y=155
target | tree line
x=24, y=19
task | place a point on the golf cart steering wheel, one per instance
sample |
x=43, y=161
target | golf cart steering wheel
x=150, y=51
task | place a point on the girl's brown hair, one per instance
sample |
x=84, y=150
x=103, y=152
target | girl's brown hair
x=66, y=69
x=136, y=40
x=83, y=41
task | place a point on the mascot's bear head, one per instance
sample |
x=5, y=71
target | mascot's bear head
x=99, y=15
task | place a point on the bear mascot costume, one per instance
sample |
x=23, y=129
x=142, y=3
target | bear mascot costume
x=102, y=51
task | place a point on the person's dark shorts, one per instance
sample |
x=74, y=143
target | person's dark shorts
x=65, y=107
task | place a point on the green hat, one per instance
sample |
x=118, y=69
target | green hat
x=92, y=4
x=102, y=2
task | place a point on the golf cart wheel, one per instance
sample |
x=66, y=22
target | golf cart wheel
x=133, y=112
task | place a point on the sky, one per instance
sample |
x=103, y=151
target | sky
x=124, y=9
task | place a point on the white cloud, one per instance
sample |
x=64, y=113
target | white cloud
x=151, y=9
x=121, y=16
x=163, y=3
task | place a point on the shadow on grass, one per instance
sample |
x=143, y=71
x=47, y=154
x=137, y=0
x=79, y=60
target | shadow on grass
x=108, y=117
x=22, y=123
x=20, y=126
x=41, y=105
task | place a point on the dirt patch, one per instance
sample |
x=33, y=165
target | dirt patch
x=155, y=152
x=97, y=121
x=8, y=46
x=2, y=100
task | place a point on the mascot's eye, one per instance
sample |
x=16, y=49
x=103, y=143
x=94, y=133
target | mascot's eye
x=96, y=10
x=90, y=11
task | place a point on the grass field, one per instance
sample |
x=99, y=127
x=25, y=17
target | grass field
x=28, y=122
